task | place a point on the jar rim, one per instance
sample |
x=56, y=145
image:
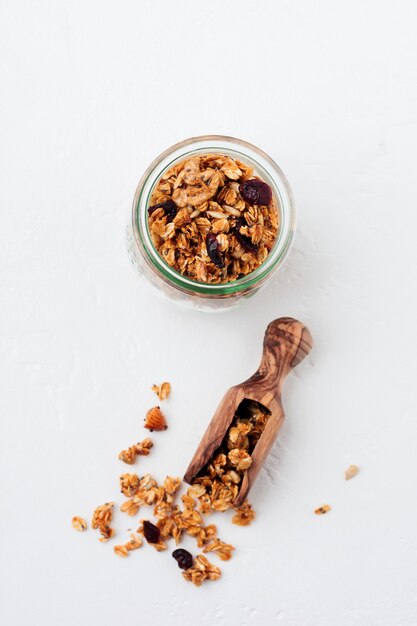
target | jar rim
x=263, y=164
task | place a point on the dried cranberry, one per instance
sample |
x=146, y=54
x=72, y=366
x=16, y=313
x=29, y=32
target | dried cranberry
x=151, y=532
x=170, y=209
x=213, y=251
x=244, y=241
x=183, y=558
x=256, y=191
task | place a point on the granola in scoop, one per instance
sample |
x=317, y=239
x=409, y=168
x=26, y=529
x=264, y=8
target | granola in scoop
x=212, y=219
x=217, y=485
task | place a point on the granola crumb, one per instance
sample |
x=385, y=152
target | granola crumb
x=102, y=517
x=162, y=391
x=79, y=523
x=321, y=510
x=351, y=472
x=142, y=448
x=244, y=515
x=222, y=549
x=121, y=551
x=134, y=543
x=155, y=419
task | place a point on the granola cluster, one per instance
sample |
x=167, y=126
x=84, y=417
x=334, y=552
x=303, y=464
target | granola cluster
x=202, y=570
x=138, y=449
x=102, y=517
x=217, y=485
x=212, y=220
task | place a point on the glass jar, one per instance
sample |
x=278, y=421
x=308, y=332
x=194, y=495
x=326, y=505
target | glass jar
x=184, y=290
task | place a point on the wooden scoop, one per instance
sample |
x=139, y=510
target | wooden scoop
x=286, y=343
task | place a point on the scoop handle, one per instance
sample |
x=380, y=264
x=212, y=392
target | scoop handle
x=287, y=342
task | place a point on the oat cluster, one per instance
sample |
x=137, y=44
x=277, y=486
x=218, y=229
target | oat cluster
x=202, y=570
x=212, y=220
x=138, y=449
x=102, y=517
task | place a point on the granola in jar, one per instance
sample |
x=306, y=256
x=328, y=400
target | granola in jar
x=215, y=253
x=212, y=219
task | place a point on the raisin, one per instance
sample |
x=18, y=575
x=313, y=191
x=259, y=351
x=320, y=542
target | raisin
x=245, y=241
x=151, y=532
x=183, y=558
x=213, y=251
x=170, y=209
x=256, y=191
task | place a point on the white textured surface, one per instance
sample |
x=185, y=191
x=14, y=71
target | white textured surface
x=91, y=92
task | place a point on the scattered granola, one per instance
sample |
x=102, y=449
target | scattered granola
x=131, y=507
x=351, y=472
x=121, y=550
x=129, y=484
x=202, y=570
x=244, y=515
x=142, y=448
x=214, y=490
x=222, y=549
x=155, y=419
x=162, y=391
x=144, y=491
x=134, y=543
x=79, y=523
x=212, y=220
x=323, y=509
x=101, y=519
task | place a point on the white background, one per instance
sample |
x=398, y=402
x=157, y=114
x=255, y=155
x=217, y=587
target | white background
x=91, y=93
